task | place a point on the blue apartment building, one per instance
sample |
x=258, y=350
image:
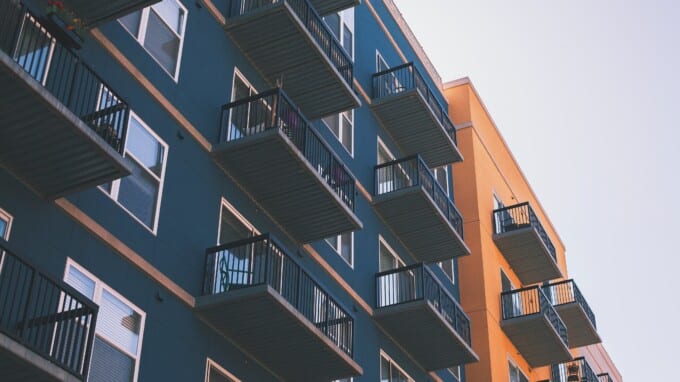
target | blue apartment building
x=225, y=190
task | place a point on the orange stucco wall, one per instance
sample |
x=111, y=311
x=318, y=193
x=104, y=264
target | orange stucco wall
x=488, y=168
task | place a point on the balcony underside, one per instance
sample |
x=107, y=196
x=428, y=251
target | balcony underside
x=425, y=335
x=44, y=144
x=274, y=172
x=527, y=255
x=96, y=12
x=19, y=364
x=537, y=340
x=325, y=7
x=580, y=330
x=266, y=326
x=416, y=220
x=411, y=122
x=278, y=44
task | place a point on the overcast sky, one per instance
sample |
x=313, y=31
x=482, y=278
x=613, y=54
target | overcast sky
x=586, y=93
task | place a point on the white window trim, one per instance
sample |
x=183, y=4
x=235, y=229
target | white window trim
x=456, y=377
x=381, y=240
x=99, y=286
x=382, y=144
x=212, y=364
x=383, y=354
x=453, y=269
x=238, y=74
x=379, y=58
x=115, y=185
x=350, y=263
x=225, y=204
x=512, y=362
x=447, y=186
x=141, y=37
x=342, y=126
x=4, y=215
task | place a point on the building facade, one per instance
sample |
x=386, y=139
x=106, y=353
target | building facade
x=530, y=320
x=244, y=190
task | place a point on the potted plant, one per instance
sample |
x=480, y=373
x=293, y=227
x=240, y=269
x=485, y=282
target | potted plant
x=65, y=24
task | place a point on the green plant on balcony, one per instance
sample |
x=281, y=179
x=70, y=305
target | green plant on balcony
x=65, y=18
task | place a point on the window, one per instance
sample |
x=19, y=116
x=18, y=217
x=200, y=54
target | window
x=118, y=334
x=5, y=224
x=448, y=268
x=455, y=371
x=394, y=287
x=380, y=63
x=160, y=30
x=384, y=154
x=216, y=373
x=233, y=226
x=442, y=176
x=390, y=371
x=342, y=126
x=516, y=374
x=344, y=246
x=140, y=193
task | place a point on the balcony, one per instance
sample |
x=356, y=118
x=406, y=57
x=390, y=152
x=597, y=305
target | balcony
x=604, y=377
x=534, y=327
x=413, y=116
x=274, y=153
x=521, y=238
x=577, y=370
x=325, y=7
x=418, y=210
x=61, y=127
x=574, y=311
x=46, y=327
x=290, y=44
x=257, y=296
x=97, y=12
x=416, y=310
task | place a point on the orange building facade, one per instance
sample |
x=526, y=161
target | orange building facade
x=530, y=320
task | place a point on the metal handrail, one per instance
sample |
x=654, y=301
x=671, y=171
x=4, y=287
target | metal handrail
x=45, y=314
x=604, y=377
x=261, y=260
x=314, y=24
x=531, y=301
x=417, y=282
x=576, y=370
x=520, y=216
x=412, y=171
x=406, y=77
x=273, y=109
x=565, y=292
x=36, y=47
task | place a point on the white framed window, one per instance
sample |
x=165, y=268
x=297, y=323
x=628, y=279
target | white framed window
x=443, y=178
x=455, y=372
x=119, y=331
x=5, y=224
x=140, y=193
x=342, y=126
x=233, y=226
x=390, y=371
x=394, y=287
x=387, y=257
x=448, y=267
x=216, y=373
x=516, y=374
x=343, y=245
x=160, y=30
x=384, y=154
x=380, y=63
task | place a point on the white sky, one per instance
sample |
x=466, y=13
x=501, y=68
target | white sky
x=586, y=94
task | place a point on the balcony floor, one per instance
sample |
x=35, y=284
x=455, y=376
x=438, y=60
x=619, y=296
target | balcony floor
x=325, y=7
x=276, y=174
x=97, y=12
x=418, y=223
x=537, y=340
x=579, y=329
x=425, y=335
x=19, y=364
x=280, y=47
x=263, y=323
x=44, y=144
x=411, y=122
x=527, y=255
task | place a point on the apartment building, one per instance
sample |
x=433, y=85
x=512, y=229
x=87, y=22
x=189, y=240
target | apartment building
x=227, y=190
x=530, y=321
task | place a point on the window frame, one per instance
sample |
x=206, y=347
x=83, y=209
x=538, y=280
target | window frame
x=141, y=37
x=341, y=129
x=381, y=144
x=455, y=375
x=378, y=59
x=99, y=287
x=224, y=204
x=392, y=362
x=453, y=270
x=400, y=262
x=338, y=249
x=8, y=219
x=513, y=364
x=210, y=363
x=115, y=184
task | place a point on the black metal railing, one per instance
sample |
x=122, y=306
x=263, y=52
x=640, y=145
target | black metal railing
x=274, y=110
x=531, y=301
x=417, y=282
x=412, y=171
x=262, y=261
x=604, y=377
x=406, y=77
x=315, y=25
x=565, y=292
x=577, y=370
x=44, y=314
x=518, y=216
x=25, y=37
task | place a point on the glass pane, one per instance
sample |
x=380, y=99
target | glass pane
x=3, y=228
x=145, y=147
x=347, y=131
x=162, y=43
x=384, y=370
x=171, y=13
x=232, y=228
x=80, y=282
x=131, y=22
x=333, y=123
x=110, y=364
x=447, y=266
x=346, y=247
x=138, y=193
x=216, y=376
x=386, y=259
x=118, y=323
x=347, y=40
x=333, y=242
x=333, y=22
